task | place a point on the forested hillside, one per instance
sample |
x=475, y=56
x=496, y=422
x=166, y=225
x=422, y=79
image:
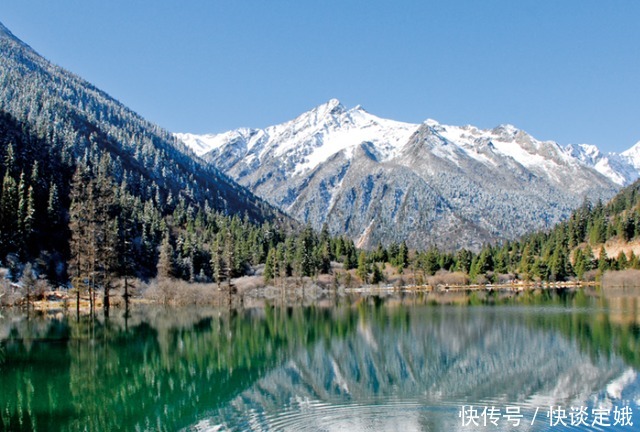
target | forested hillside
x=84, y=122
x=88, y=182
x=56, y=210
x=571, y=249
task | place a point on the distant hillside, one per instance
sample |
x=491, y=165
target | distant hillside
x=576, y=246
x=595, y=238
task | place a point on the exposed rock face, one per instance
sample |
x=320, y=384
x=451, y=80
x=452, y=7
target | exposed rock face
x=384, y=181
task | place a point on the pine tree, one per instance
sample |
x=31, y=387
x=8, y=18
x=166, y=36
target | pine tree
x=228, y=257
x=270, y=268
x=363, y=269
x=283, y=270
x=431, y=262
x=305, y=258
x=8, y=215
x=105, y=228
x=603, y=260
x=166, y=266
x=324, y=258
x=463, y=260
x=526, y=263
x=378, y=275
x=216, y=260
x=622, y=262
x=22, y=209
x=402, y=260
x=483, y=264
x=53, y=206
x=579, y=263
x=558, y=265
x=589, y=258
x=9, y=160
x=30, y=216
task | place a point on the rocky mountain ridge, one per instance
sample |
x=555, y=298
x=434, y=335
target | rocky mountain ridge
x=380, y=180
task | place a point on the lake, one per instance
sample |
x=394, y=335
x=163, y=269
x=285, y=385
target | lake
x=547, y=361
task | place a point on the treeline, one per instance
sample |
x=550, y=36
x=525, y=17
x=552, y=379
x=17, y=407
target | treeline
x=570, y=250
x=75, y=221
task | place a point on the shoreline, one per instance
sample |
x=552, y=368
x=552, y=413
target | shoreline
x=63, y=302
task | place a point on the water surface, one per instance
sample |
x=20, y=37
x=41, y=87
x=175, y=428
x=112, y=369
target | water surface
x=365, y=363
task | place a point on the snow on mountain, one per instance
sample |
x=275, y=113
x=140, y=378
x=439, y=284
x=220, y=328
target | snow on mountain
x=380, y=180
x=311, y=138
x=632, y=156
x=328, y=129
x=623, y=169
x=506, y=140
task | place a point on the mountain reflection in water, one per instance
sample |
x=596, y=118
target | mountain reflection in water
x=372, y=364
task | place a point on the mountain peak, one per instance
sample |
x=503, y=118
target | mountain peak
x=632, y=155
x=633, y=151
x=333, y=106
x=506, y=130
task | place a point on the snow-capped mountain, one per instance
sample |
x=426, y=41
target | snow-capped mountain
x=623, y=169
x=380, y=180
x=310, y=139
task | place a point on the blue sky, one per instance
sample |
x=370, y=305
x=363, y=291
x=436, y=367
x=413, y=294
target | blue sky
x=562, y=70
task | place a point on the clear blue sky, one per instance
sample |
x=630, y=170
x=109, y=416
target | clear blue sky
x=563, y=70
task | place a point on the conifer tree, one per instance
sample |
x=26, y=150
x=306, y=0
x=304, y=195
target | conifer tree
x=216, y=260
x=305, y=257
x=402, y=260
x=463, y=260
x=603, y=260
x=283, y=269
x=228, y=257
x=8, y=215
x=270, y=268
x=378, y=275
x=526, y=263
x=579, y=263
x=622, y=262
x=166, y=266
x=363, y=269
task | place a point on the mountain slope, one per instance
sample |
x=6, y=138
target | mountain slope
x=623, y=169
x=82, y=120
x=384, y=181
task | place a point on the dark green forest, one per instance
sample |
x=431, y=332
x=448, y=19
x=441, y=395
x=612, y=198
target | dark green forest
x=57, y=210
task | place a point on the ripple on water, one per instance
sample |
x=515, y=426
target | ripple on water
x=406, y=415
x=353, y=417
x=314, y=415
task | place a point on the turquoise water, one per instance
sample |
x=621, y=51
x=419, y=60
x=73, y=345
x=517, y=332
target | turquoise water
x=361, y=364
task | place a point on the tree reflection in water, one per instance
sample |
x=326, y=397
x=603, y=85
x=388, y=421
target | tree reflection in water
x=171, y=369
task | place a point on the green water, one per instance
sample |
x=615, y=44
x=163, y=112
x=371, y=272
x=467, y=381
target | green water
x=363, y=364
